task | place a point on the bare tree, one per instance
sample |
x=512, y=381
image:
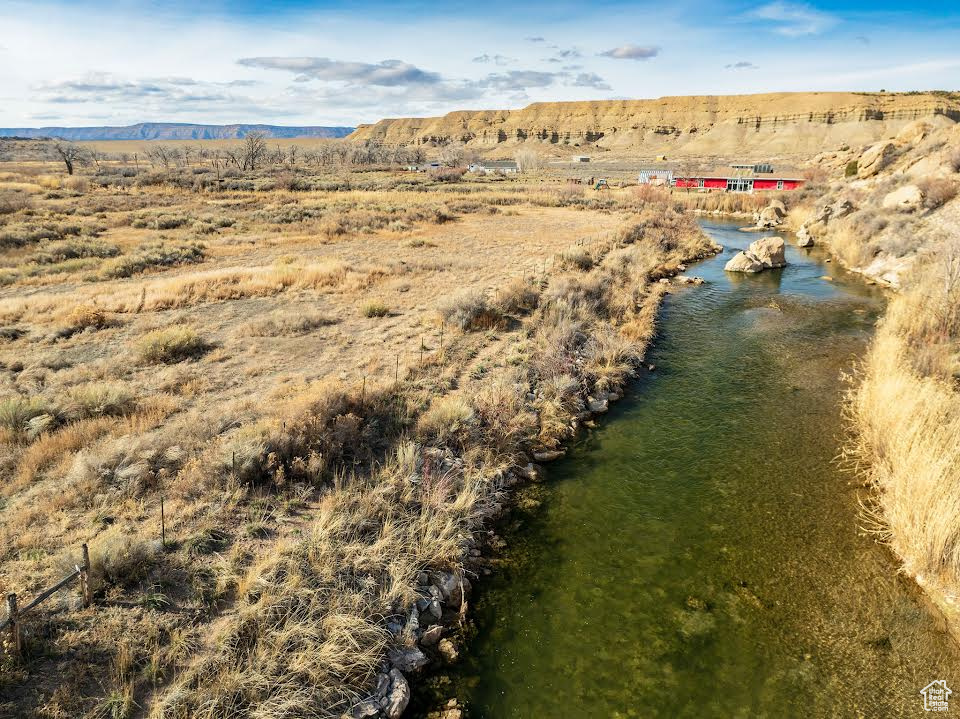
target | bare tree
x=69, y=153
x=253, y=151
x=452, y=155
x=160, y=154
x=528, y=160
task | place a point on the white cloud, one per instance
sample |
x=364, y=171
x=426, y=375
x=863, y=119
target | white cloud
x=632, y=52
x=495, y=59
x=794, y=19
x=388, y=73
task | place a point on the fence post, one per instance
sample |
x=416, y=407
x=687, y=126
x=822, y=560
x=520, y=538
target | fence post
x=14, y=626
x=85, y=577
x=163, y=527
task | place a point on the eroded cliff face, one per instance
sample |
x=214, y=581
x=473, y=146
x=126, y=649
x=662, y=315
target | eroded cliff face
x=780, y=123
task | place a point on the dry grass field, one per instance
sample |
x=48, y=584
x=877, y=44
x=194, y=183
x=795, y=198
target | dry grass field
x=329, y=379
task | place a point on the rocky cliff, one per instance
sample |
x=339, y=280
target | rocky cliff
x=777, y=123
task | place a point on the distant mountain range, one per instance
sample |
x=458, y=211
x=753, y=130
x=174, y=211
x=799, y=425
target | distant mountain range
x=172, y=131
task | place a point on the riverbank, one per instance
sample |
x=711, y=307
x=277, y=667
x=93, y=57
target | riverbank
x=698, y=553
x=381, y=569
x=896, y=221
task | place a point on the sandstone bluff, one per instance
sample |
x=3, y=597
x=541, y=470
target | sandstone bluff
x=780, y=123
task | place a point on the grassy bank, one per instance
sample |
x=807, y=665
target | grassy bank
x=330, y=383
x=309, y=630
x=896, y=222
x=906, y=412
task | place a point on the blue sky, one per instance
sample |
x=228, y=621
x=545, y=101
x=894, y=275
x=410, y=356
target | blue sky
x=342, y=63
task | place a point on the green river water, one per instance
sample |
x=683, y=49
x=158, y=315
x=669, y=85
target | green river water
x=699, y=554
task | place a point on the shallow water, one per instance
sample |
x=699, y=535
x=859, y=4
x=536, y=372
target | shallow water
x=700, y=554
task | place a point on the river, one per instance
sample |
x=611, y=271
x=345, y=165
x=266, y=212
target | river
x=701, y=553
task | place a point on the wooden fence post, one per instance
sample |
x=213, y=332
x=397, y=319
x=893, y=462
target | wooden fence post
x=85, y=578
x=14, y=626
x=163, y=527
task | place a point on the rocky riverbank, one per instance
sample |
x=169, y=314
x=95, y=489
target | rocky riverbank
x=579, y=314
x=430, y=634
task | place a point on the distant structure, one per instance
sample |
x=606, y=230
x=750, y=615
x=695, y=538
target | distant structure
x=656, y=176
x=491, y=167
x=743, y=178
x=581, y=158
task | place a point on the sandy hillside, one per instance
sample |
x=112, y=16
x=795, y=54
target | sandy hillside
x=784, y=123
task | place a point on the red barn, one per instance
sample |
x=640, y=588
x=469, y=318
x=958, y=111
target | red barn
x=744, y=178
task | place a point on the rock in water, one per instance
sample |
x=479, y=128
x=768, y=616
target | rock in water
x=766, y=253
x=804, y=239
x=743, y=262
x=448, y=650
x=770, y=251
x=772, y=215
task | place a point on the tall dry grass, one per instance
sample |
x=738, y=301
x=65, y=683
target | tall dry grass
x=906, y=412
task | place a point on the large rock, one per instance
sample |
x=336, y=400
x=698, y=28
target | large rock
x=914, y=132
x=841, y=208
x=454, y=587
x=407, y=659
x=875, y=158
x=597, y=405
x=765, y=253
x=398, y=696
x=804, y=239
x=770, y=251
x=772, y=215
x=743, y=262
x=906, y=199
x=432, y=635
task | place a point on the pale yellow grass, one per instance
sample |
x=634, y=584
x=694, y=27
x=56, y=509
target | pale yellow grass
x=909, y=428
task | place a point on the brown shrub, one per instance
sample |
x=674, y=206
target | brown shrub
x=170, y=345
x=937, y=191
x=84, y=316
x=520, y=295
x=470, y=310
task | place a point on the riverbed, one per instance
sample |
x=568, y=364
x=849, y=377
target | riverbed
x=702, y=553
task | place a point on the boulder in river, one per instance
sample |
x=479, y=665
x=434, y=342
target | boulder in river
x=772, y=215
x=765, y=253
x=597, y=405
x=448, y=650
x=803, y=237
x=743, y=262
